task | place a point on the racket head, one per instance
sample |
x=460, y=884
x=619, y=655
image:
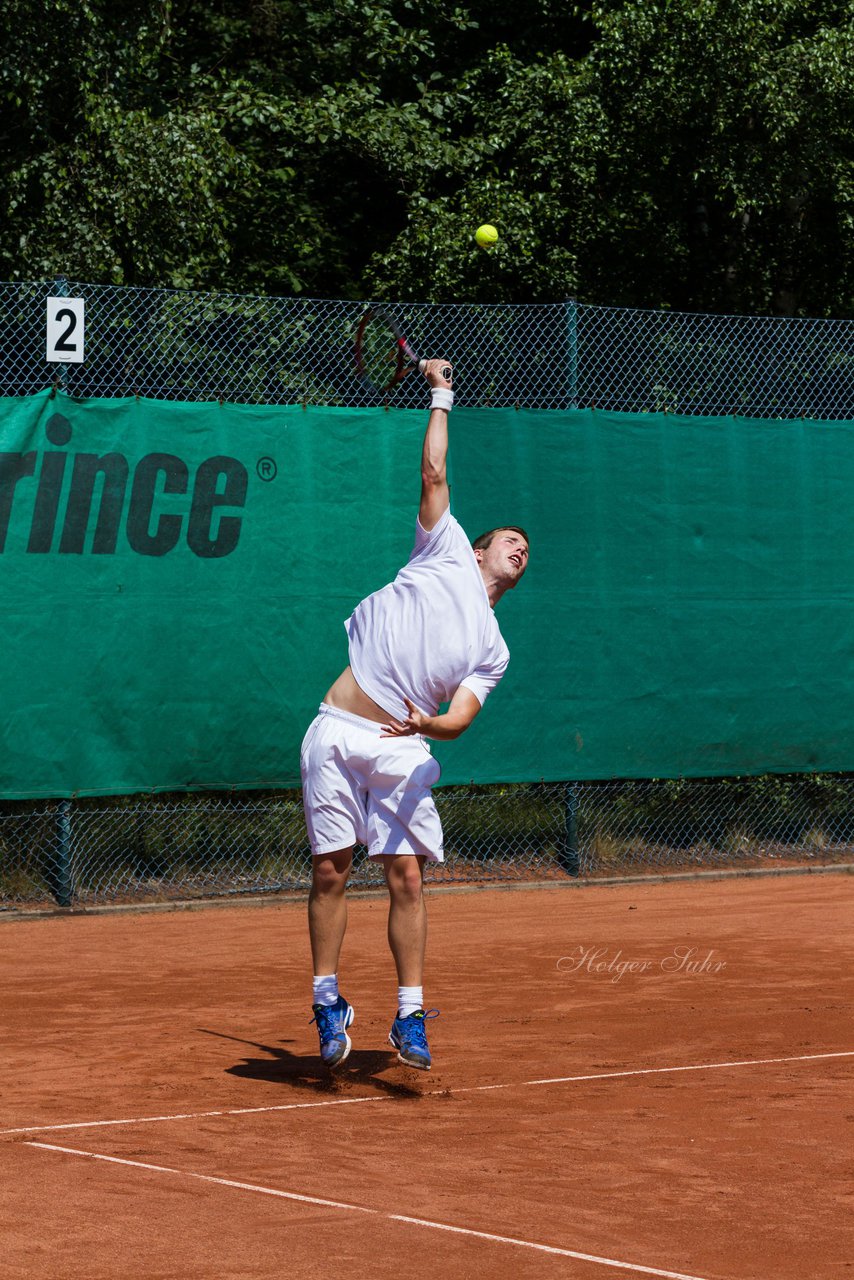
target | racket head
x=383, y=355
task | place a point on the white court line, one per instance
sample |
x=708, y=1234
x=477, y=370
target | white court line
x=197, y=1115
x=205, y=1177
x=544, y=1248
x=477, y=1088
x=702, y=1066
x=389, y=1217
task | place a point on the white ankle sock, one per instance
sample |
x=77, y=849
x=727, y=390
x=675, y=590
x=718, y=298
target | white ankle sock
x=325, y=988
x=408, y=1000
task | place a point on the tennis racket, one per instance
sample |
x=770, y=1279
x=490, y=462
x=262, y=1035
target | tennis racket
x=384, y=356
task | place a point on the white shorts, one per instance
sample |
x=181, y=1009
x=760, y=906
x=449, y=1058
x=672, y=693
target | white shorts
x=361, y=788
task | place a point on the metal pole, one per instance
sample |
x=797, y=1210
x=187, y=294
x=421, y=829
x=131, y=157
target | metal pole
x=60, y=285
x=64, y=888
x=569, y=858
x=571, y=353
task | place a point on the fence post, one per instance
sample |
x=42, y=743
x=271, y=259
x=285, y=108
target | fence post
x=60, y=286
x=569, y=859
x=571, y=353
x=63, y=885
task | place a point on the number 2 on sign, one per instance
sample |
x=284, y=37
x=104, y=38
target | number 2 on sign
x=65, y=330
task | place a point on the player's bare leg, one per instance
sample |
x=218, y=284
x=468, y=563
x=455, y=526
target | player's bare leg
x=327, y=924
x=407, y=937
x=327, y=908
x=407, y=917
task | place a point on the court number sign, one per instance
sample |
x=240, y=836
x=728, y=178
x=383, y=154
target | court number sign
x=65, y=330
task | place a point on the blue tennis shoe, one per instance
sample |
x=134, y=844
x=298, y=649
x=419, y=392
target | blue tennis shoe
x=332, y=1023
x=409, y=1036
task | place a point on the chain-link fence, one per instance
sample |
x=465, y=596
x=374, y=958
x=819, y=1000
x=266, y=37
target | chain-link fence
x=747, y=366
x=191, y=346
x=186, y=346
x=86, y=853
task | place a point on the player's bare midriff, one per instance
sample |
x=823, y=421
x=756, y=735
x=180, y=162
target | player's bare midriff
x=347, y=695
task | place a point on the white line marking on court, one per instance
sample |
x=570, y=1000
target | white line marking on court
x=701, y=1066
x=389, y=1217
x=206, y=1177
x=544, y=1248
x=196, y=1115
x=476, y=1088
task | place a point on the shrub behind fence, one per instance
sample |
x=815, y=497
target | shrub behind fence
x=150, y=849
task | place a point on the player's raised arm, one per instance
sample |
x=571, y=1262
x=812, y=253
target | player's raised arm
x=435, y=495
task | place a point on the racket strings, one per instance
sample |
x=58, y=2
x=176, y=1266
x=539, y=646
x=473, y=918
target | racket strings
x=381, y=358
x=382, y=355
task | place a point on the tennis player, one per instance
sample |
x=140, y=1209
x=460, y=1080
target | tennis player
x=429, y=637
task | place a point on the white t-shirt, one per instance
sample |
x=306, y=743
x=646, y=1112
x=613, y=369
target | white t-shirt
x=429, y=631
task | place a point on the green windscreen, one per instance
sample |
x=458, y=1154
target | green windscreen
x=176, y=578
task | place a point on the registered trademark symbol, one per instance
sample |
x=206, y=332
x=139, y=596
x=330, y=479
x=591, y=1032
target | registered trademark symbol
x=266, y=469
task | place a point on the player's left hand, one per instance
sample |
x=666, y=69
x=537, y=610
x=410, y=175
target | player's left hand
x=415, y=722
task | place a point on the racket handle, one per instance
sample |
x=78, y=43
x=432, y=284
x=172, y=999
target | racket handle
x=445, y=370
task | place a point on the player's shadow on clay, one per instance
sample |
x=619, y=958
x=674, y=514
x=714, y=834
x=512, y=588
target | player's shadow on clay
x=281, y=1066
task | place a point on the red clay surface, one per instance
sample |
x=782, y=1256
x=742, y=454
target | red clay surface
x=731, y=1172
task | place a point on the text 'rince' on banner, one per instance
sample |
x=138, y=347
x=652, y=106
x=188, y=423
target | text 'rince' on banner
x=176, y=577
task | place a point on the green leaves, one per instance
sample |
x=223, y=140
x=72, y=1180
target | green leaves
x=687, y=153
x=736, y=137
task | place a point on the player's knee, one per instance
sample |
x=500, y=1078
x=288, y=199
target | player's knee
x=329, y=873
x=405, y=881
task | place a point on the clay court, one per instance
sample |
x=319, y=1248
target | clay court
x=637, y=1079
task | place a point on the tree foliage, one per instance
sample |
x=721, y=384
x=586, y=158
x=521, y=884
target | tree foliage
x=682, y=153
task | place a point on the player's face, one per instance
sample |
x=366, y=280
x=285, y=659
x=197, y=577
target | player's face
x=506, y=557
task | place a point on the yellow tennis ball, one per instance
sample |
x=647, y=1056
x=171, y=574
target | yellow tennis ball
x=486, y=236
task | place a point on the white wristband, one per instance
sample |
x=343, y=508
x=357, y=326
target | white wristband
x=442, y=398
